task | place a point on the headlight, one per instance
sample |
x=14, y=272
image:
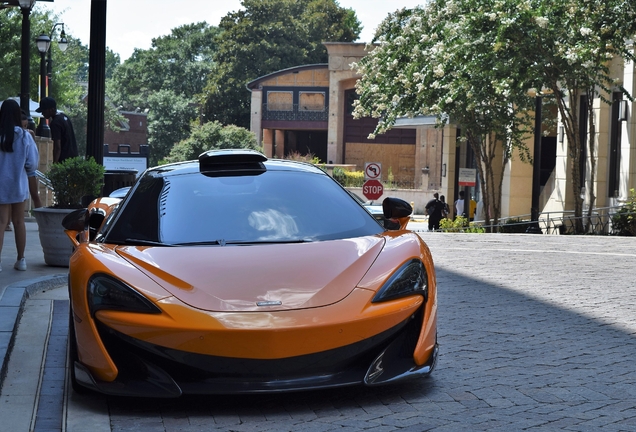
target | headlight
x=105, y=292
x=409, y=279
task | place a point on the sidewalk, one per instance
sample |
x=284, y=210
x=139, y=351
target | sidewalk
x=16, y=285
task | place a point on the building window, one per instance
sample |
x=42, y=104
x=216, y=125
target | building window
x=311, y=101
x=280, y=101
x=613, y=180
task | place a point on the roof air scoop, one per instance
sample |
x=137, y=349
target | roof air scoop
x=232, y=162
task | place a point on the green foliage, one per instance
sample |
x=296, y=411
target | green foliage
x=75, y=178
x=460, y=224
x=348, y=178
x=69, y=68
x=474, y=62
x=266, y=36
x=390, y=179
x=339, y=175
x=211, y=136
x=179, y=63
x=166, y=80
x=169, y=122
x=624, y=220
x=354, y=178
x=308, y=157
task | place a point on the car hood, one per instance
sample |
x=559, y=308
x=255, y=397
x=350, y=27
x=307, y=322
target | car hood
x=258, y=277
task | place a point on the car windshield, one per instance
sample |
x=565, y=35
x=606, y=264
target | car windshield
x=271, y=207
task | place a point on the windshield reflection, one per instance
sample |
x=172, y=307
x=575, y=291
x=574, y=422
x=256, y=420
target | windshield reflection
x=282, y=225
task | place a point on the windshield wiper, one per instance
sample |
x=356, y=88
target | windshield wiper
x=141, y=242
x=242, y=242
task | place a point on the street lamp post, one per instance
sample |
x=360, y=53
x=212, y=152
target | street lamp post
x=43, y=43
x=62, y=44
x=25, y=6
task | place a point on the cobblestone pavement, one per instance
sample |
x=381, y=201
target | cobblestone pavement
x=536, y=333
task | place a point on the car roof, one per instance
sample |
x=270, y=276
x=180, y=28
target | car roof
x=195, y=166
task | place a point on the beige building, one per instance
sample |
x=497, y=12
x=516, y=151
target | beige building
x=307, y=109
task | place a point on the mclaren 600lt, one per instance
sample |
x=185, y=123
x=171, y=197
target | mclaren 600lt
x=237, y=273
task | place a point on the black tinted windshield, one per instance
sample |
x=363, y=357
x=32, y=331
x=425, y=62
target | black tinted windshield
x=275, y=206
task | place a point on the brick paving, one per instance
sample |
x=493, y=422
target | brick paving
x=536, y=333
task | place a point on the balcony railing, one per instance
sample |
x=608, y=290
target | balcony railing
x=294, y=112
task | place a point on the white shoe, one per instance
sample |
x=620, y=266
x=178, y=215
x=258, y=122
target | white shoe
x=20, y=265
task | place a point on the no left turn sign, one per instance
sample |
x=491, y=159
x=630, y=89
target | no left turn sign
x=372, y=170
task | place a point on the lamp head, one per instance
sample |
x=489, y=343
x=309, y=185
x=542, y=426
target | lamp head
x=43, y=43
x=62, y=43
x=26, y=4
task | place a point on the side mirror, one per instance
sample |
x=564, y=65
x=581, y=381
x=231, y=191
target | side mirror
x=76, y=220
x=395, y=208
x=396, y=213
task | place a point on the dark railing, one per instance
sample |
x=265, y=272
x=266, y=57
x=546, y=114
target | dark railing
x=563, y=222
x=289, y=112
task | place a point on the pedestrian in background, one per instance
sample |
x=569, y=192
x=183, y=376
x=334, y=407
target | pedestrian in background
x=446, y=209
x=471, y=209
x=18, y=160
x=33, y=180
x=62, y=133
x=459, y=205
x=434, y=210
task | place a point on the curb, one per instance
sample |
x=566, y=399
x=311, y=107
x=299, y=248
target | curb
x=11, y=303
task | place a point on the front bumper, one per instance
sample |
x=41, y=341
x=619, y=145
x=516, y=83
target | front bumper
x=148, y=370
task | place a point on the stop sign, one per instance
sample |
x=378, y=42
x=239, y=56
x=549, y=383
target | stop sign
x=372, y=189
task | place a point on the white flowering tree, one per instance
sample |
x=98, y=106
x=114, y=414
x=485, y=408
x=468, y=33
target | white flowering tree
x=451, y=59
x=572, y=51
x=474, y=62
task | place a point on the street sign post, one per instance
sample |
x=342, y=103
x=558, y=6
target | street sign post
x=372, y=189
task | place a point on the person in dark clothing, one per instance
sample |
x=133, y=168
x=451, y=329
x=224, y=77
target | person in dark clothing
x=434, y=210
x=62, y=133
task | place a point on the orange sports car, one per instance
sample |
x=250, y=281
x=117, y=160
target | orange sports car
x=235, y=274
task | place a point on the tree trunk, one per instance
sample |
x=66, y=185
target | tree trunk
x=592, y=157
x=569, y=116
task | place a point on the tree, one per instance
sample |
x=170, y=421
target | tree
x=452, y=60
x=166, y=80
x=179, y=62
x=475, y=60
x=267, y=36
x=212, y=136
x=169, y=121
x=572, y=49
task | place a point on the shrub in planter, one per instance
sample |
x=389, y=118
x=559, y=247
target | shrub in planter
x=624, y=220
x=460, y=224
x=75, y=178
x=339, y=175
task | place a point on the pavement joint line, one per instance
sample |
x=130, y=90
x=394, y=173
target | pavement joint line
x=555, y=252
x=43, y=363
x=44, y=415
x=15, y=299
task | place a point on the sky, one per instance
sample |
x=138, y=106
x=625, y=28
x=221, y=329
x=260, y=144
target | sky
x=133, y=24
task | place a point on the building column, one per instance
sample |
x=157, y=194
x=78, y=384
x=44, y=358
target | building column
x=268, y=142
x=256, y=114
x=279, y=144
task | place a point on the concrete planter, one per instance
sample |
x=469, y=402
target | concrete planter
x=55, y=243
